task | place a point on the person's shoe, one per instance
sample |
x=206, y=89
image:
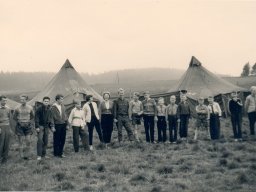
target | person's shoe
x=39, y=158
x=46, y=157
x=26, y=158
x=168, y=142
x=62, y=156
x=174, y=142
x=91, y=148
x=240, y=140
x=154, y=142
x=236, y=140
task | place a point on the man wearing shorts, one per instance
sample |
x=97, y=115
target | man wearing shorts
x=135, y=112
x=23, y=115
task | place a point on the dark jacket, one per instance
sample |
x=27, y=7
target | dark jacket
x=55, y=117
x=183, y=109
x=121, y=107
x=42, y=116
x=235, y=108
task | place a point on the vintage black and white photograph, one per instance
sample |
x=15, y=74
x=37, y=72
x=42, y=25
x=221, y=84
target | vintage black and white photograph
x=128, y=95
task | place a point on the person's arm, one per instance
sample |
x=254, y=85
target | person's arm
x=166, y=112
x=70, y=118
x=239, y=102
x=130, y=110
x=100, y=109
x=219, y=109
x=32, y=114
x=141, y=109
x=246, y=105
x=15, y=115
x=229, y=107
x=37, y=117
x=208, y=112
x=115, y=109
x=51, y=119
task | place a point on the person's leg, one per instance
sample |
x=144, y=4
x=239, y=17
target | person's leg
x=233, y=122
x=56, y=140
x=159, y=130
x=175, y=129
x=21, y=145
x=40, y=142
x=212, y=127
x=251, y=122
x=6, y=144
x=164, y=130
x=27, y=148
x=45, y=140
x=62, y=138
x=170, y=124
x=186, y=126
x=128, y=127
x=217, y=127
x=84, y=138
x=90, y=131
x=110, y=122
x=152, y=128
x=239, y=127
x=104, y=125
x=2, y=141
x=146, y=126
x=75, y=138
x=98, y=129
x=182, y=126
x=119, y=129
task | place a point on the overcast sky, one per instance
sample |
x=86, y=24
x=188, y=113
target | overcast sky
x=104, y=35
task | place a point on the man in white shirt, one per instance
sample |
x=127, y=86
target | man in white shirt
x=92, y=119
x=215, y=114
x=77, y=121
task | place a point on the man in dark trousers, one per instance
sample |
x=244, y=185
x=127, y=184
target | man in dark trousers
x=5, y=129
x=58, y=119
x=121, y=116
x=149, y=116
x=42, y=123
x=235, y=109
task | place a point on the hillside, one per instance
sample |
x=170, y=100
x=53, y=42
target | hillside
x=27, y=81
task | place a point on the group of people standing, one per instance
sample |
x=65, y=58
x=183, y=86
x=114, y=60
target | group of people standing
x=120, y=112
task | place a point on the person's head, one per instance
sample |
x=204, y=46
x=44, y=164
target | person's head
x=201, y=100
x=3, y=100
x=106, y=96
x=183, y=97
x=146, y=95
x=161, y=101
x=136, y=96
x=121, y=92
x=77, y=104
x=59, y=99
x=234, y=96
x=23, y=99
x=89, y=98
x=253, y=90
x=173, y=99
x=210, y=99
x=46, y=100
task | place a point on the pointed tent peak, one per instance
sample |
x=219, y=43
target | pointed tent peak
x=67, y=64
x=194, y=62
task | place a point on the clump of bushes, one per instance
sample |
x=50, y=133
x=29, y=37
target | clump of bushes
x=165, y=169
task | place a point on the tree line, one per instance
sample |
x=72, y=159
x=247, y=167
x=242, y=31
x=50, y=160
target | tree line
x=248, y=70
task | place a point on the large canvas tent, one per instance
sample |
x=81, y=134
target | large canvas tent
x=200, y=82
x=70, y=84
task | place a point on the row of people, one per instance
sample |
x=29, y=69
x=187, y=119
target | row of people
x=121, y=112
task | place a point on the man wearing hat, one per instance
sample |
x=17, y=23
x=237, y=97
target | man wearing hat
x=121, y=115
x=235, y=110
x=149, y=115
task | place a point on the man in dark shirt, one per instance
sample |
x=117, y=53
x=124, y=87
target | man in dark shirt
x=235, y=110
x=42, y=122
x=121, y=116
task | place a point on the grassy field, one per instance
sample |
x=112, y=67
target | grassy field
x=205, y=165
